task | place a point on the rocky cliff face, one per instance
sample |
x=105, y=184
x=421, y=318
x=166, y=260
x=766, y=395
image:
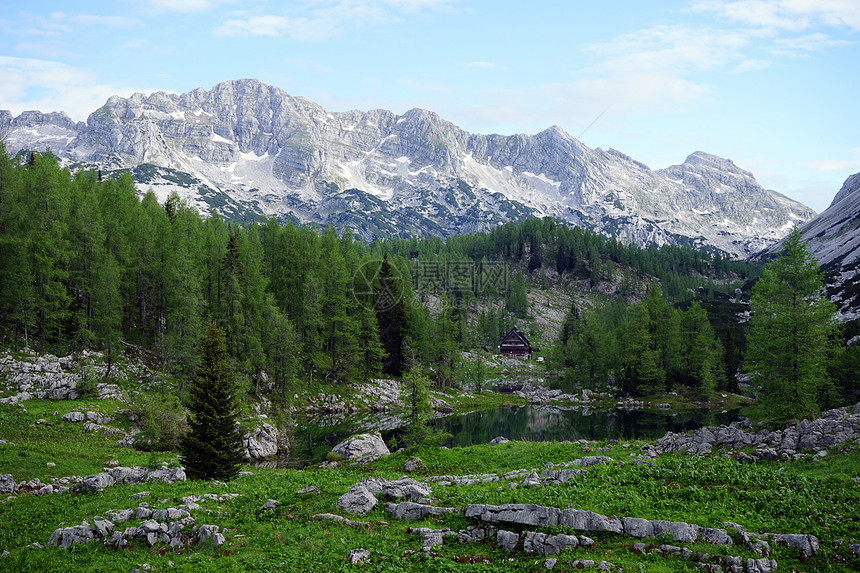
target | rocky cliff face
x=246, y=148
x=832, y=237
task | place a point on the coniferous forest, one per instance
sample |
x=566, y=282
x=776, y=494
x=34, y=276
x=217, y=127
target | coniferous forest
x=89, y=264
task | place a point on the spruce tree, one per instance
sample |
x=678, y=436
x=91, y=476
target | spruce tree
x=212, y=447
x=792, y=326
x=391, y=316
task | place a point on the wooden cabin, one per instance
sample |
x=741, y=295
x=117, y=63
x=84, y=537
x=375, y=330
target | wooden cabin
x=516, y=344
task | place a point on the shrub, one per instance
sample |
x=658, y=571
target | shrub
x=161, y=419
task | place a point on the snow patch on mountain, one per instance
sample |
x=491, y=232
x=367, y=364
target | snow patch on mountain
x=245, y=148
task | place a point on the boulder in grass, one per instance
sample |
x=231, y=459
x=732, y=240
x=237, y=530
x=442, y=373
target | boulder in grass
x=97, y=482
x=368, y=445
x=7, y=483
x=357, y=500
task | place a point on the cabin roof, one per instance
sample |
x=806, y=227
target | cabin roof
x=515, y=334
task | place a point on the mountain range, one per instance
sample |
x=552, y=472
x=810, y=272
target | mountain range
x=246, y=149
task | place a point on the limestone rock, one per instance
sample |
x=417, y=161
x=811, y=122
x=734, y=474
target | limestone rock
x=413, y=464
x=638, y=527
x=7, y=483
x=415, y=511
x=356, y=556
x=357, y=500
x=270, y=504
x=516, y=513
x=262, y=443
x=807, y=545
x=362, y=446
x=507, y=539
x=545, y=544
x=206, y=531
x=65, y=537
x=97, y=482
x=589, y=521
x=678, y=530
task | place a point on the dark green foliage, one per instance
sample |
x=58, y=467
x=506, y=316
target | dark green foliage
x=648, y=347
x=793, y=328
x=417, y=385
x=730, y=360
x=517, y=303
x=390, y=315
x=162, y=420
x=212, y=447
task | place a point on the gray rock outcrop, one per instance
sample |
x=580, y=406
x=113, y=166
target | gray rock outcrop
x=362, y=446
x=7, y=483
x=357, y=500
x=834, y=427
x=415, y=511
x=361, y=497
x=97, y=482
x=261, y=444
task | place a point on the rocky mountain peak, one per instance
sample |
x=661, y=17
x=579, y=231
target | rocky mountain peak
x=247, y=148
x=851, y=185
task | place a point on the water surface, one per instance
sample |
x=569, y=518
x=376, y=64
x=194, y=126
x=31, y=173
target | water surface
x=313, y=439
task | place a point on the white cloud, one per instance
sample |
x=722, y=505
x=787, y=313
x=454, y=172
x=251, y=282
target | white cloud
x=833, y=164
x=94, y=20
x=802, y=45
x=786, y=14
x=671, y=48
x=44, y=85
x=185, y=5
x=321, y=19
x=752, y=65
x=276, y=26
x=836, y=164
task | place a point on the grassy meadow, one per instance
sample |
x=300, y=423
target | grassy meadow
x=818, y=497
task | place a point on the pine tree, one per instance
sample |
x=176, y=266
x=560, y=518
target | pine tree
x=791, y=327
x=212, y=448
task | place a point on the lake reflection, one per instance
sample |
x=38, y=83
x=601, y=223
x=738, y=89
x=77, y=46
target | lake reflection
x=551, y=424
x=311, y=441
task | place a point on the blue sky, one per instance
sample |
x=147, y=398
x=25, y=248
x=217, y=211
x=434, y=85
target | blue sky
x=771, y=84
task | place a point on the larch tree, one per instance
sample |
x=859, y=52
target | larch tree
x=792, y=326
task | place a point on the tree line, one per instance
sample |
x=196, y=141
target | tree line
x=89, y=263
x=648, y=347
x=86, y=262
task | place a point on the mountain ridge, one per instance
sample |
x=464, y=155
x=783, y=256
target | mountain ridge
x=246, y=149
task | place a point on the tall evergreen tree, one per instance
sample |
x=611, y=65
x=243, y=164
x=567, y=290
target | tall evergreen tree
x=212, y=447
x=517, y=301
x=731, y=362
x=792, y=325
x=391, y=316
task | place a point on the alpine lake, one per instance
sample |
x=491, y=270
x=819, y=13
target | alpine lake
x=313, y=438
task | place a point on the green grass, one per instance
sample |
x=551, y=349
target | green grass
x=807, y=496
